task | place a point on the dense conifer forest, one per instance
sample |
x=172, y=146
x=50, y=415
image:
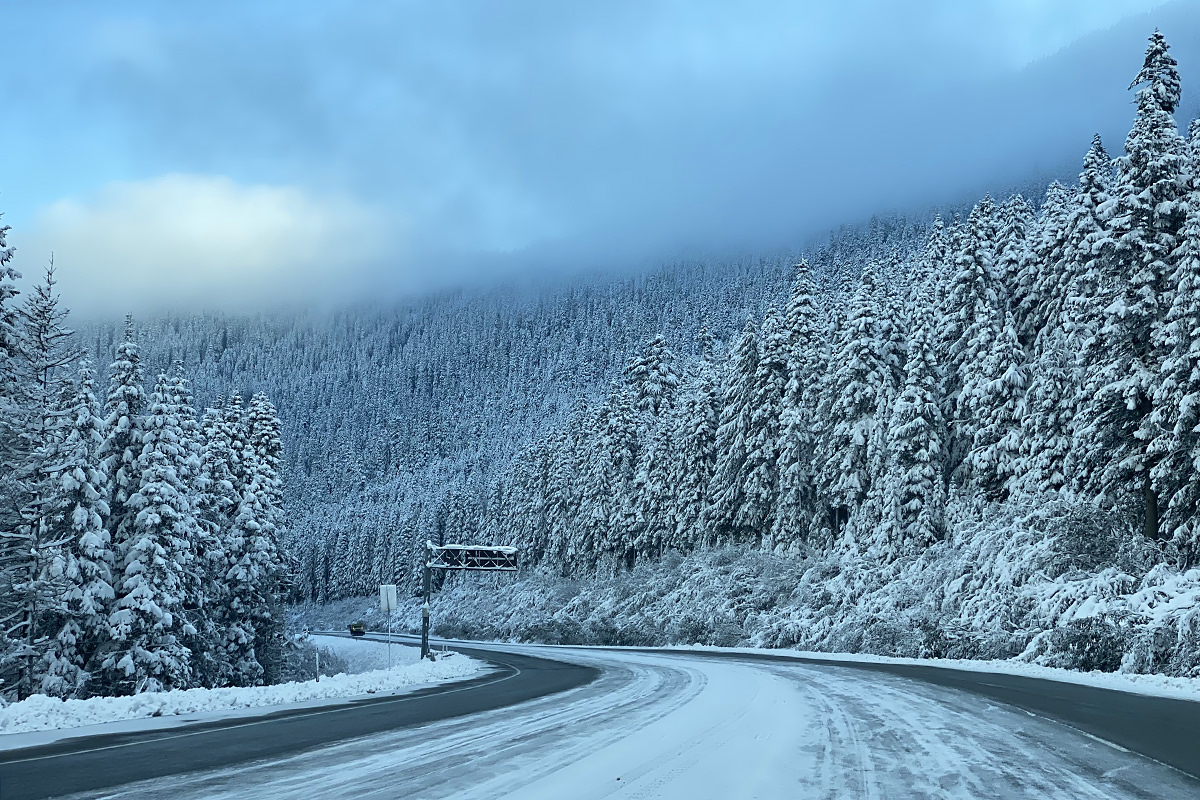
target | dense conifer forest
x=139, y=545
x=973, y=434
x=983, y=443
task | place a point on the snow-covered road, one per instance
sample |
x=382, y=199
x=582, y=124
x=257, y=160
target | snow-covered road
x=678, y=726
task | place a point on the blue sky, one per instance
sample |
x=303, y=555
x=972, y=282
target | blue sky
x=239, y=155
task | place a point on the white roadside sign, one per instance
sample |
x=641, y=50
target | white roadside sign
x=387, y=597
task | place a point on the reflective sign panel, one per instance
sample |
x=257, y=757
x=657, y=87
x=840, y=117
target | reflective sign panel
x=473, y=557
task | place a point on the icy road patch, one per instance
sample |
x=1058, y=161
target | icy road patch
x=673, y=726
x=41, y=719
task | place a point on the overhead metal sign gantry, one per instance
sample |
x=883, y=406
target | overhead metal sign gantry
x=473, y=557
x=464, y=557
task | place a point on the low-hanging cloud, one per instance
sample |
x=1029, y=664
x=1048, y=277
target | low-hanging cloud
x=200, y=240
x=528, y=136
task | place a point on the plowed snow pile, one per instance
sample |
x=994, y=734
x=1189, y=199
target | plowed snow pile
x=41, y=713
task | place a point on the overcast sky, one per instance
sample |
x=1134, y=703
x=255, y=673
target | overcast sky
x=239, y=155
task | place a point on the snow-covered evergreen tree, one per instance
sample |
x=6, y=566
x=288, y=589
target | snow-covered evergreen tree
x=760, y=476
x=860, y=377
x=968, y=327
x=43, y=580
x=233, y=419
x=1086, y=250
x=652, y=492
x=915, y=483
x=149, y=623
x=266, y=448
x=1041, y=278
x=928, y=276
x=695, y=442
x=76, y=512
x=1015, y=218
x=797, y=503
x=652, y=377
x=1175, y=419
x=13, y=568
x=727, y=488
x=1145, y=219
x=123, y=428
x=992, y=399
x=1047, y=418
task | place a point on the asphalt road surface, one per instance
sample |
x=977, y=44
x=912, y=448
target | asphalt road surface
x=1165, y=729
x=75, y=765
x=591, y=723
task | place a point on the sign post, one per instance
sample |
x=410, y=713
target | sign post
x=465, y=557
x=425, y=616
x=387, y=604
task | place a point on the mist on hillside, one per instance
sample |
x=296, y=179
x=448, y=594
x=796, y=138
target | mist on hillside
x=386, y=152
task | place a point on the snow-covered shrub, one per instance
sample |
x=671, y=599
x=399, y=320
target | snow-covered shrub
x=1166, y=614
x=1088, y=644
x=1048, y=580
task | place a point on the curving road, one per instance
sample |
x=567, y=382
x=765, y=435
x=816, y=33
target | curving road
x=77, y=765
x=656, y=724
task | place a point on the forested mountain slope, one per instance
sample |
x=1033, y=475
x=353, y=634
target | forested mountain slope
x=399, y=421
x=982, y=426
x=988, y=446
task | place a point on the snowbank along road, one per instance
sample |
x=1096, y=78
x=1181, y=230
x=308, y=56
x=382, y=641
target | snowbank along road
x=83, y=764
x=695, y=725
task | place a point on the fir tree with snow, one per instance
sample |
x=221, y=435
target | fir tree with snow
x=123, y=426
x=12, y=489
x=1175, y=419
x=652, y=493
x=727, y=488
x=47, y=568
x=916, y=432
x=1086, y=252
x=75, y=512
x=1016, y=218
x=796, y=506
x=652, y=377
x=927, y=278
x=1145, y=220
x=149, y=623
x=992, y=399
x=760, y=476
x=695, y=442
x=1047, y=419
x=860, y=378
x=267, y=453
x=968, y=328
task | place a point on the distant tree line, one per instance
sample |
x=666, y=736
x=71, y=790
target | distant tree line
x=139, y=546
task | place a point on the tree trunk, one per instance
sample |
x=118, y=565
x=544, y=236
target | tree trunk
x=1151, y=529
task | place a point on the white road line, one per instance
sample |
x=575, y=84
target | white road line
x=340, y=708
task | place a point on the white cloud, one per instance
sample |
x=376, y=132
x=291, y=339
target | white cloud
x=203, y=241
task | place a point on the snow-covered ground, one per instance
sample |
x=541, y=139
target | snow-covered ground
x=364, y=655
x=666, y=726
x=41, y=719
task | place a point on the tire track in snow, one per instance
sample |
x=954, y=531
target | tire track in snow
x=673, y=726
x=966, y=746
x=428, y=760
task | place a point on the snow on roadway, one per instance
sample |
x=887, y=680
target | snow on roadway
x=659, y=726
x=41, y=719
x=1148, y=684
